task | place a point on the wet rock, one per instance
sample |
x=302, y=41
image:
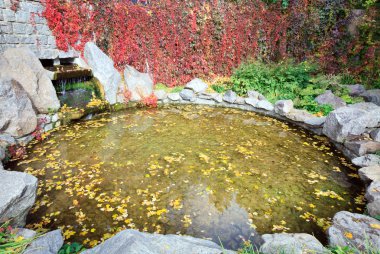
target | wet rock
x=355, y=230
x=255, y=95
x=362, y=147
x=49, y=243
x=283, y=107
x=367, y=160
x=197, y=85
x=355, y=90
x=315, y=121
x=372, y=96
x=252, y=101
x=373, y=198
x=17, y=116
x=351, y=120
x=23, y=66
x=174, y=96
x=187, y=95
x=103, y=69
x=160, y=94
x=291, y=243
x=369, y=174
x=329, y=98
x=140, y=84
x=264, y=104
x=17, y=196
x=299, y=115
x=134, y=242
x=375, y=135
x=230, y=96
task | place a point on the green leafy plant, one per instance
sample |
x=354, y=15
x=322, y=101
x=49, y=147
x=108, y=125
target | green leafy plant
x=10, y=242
x=72, y=248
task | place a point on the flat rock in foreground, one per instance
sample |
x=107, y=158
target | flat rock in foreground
x=134, y=242
x=354, y=230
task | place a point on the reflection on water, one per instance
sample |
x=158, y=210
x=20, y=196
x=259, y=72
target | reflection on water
x=220, y=174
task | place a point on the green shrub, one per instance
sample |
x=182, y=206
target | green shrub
x=72, y=248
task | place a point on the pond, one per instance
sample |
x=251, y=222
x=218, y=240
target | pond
x=215, y=173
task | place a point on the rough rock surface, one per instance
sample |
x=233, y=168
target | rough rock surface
x=50, y=243
x=373, y=198
x=174, y=96
x=291, y=243
x=197, y=85
x=299, y=115
x=103, y=69
x=355, y=90
x=22, y=65
x=369, y=174
x=160, y=94
x=351, y=120
x=134, y=242
x=316, y=121
x=351, y=229
x=187, y=94
x=140, y=84
x=264, y=104
x=367, y=160
x=372, y=96
x=255, y=95
x=329, y=98
x=363, y=147
x=283, y=107
x=17, y=116
x=230, y=96
x=17, y=196
x=375, y=135
x=252, y=101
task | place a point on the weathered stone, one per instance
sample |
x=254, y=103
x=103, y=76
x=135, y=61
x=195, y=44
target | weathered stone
x=355, y=90
x=315, y=121
x=25, y=233
x=187, y=94
x=373, y=197
x=17, y=116
x=207, y=96
x=34, y=80
x=197, y=85
x=230, y=96
x=174, y=96
x=264, y=104
x=367, y=160
x=134, y=242
x=240, y=100
x=17, y=196
x=49, y=243
x=369, y=174
x=252, y=101
x=7, y=140
x=375, y=135
x=160, y=94
x=363, y=147
x=283, y=107
x=372, y=96
x=329, y=98
x=351, y=120
x=23, y=141
x=255, y=95
x=355, y=230
x=298, y=115
x=218, y=98
x=291, y=243
x=140, y=84
x=103, y=69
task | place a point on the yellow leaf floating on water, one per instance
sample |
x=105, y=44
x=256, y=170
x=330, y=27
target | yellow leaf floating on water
x=68, y=233
x=204, y=157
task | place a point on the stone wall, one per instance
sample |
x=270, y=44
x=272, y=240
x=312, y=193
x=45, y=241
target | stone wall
x=25, y=27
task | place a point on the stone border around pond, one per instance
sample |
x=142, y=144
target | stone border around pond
x=347, y=228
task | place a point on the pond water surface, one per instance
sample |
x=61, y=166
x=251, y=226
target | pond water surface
x=214, y=173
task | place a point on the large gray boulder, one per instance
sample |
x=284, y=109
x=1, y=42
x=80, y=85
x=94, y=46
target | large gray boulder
x=363, y=147
x=197, y=85
x=22, y=65
x=355, y=90
x=329, y=98
x=283, y=107
x=134, y=242
x=140, y=84
x=369, y=174
x=354, y=230
x=230, y=96
x=375, y=134
x=255, y=95
x=174, y=96
x=187, y=94
x=373, y=197
x=264, y=104
x=351, y=120
x=299, y=115
x=372, y=96
x=17, y=196
x=366, y=160
x=17, y=116
x=103, y=69
x=291, y=243
x=49, y=243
